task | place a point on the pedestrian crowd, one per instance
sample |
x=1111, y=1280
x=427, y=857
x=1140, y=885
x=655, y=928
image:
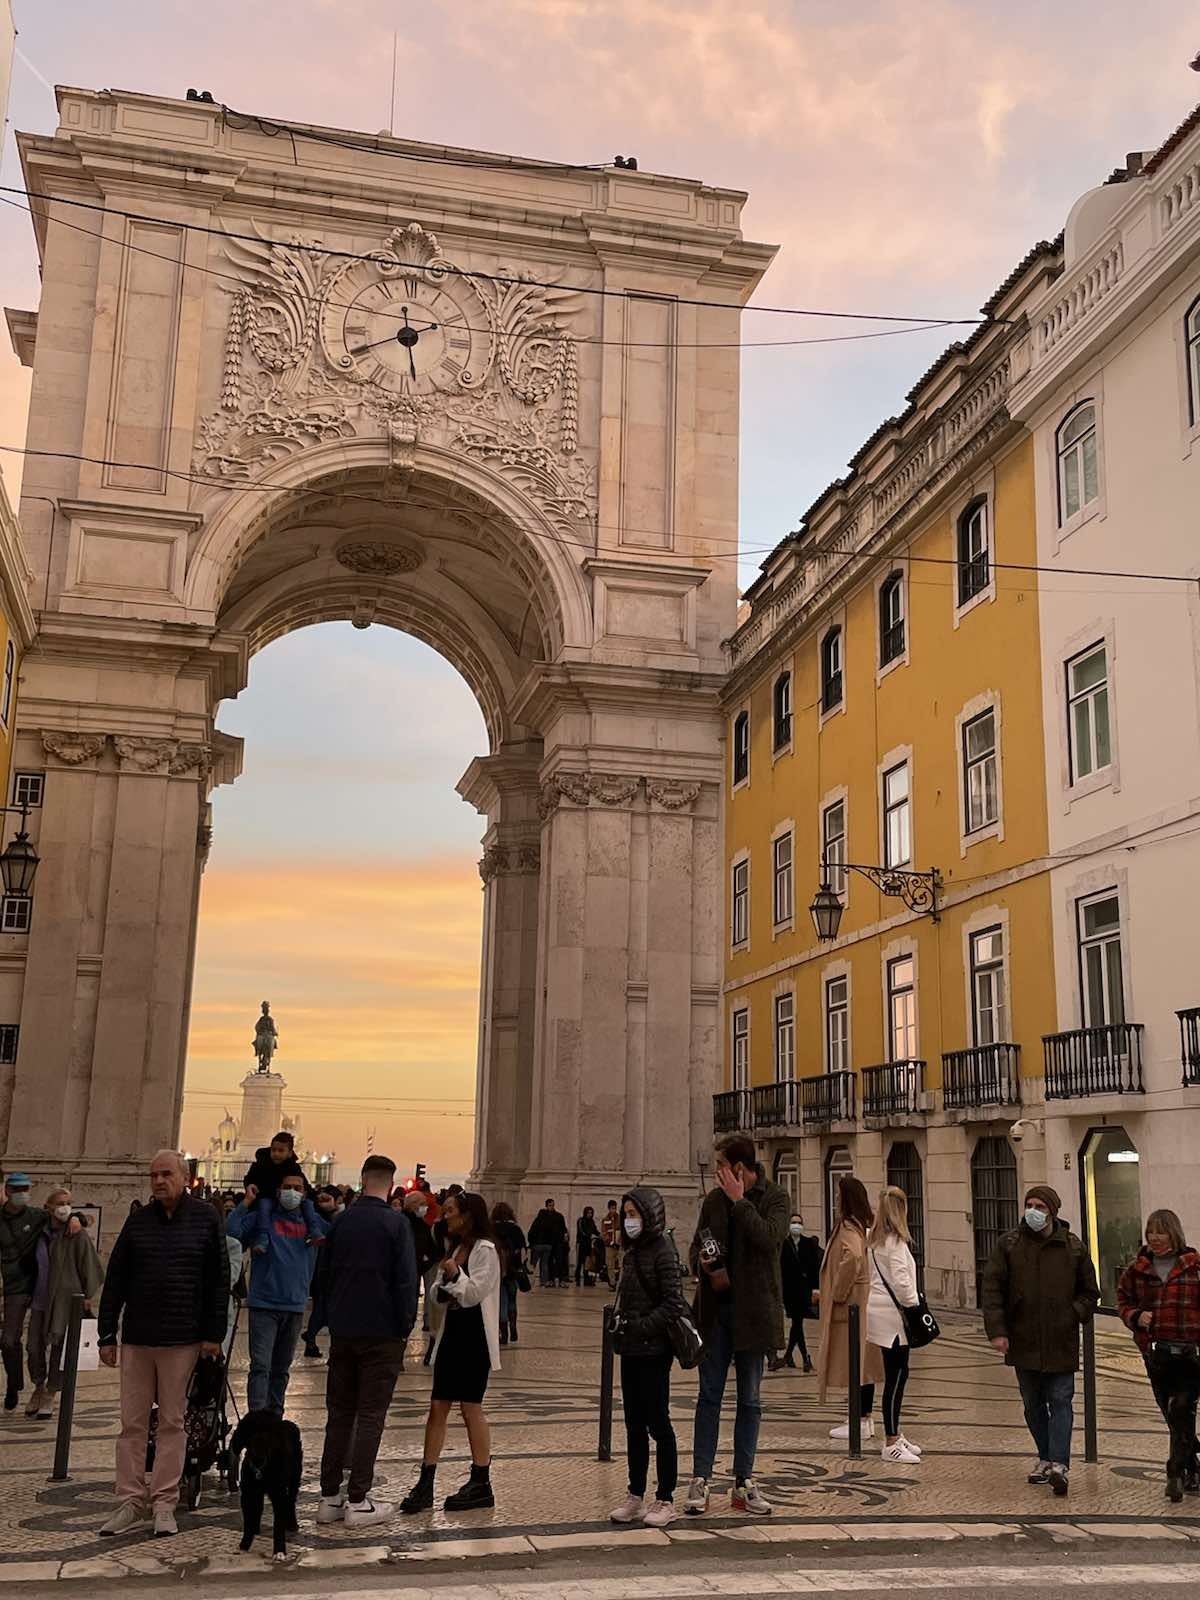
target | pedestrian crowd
x=360, y=1263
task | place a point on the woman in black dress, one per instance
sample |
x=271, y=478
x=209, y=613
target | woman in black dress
x=466, y=1351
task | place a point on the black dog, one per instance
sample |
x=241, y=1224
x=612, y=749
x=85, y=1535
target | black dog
x=274, y=1462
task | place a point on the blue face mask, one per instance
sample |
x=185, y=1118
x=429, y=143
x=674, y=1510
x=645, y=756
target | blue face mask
x=290, y=1199
x=1036, y=1219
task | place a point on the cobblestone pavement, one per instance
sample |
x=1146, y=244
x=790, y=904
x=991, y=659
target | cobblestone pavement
x=554, y=1496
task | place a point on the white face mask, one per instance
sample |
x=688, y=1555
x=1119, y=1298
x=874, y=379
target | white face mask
x=633, y=1226
x=18, y=1199
x=62, y=1213
x=795, y=1230
x=290, y=1199
x=420, y=1210
x=1036, y=1219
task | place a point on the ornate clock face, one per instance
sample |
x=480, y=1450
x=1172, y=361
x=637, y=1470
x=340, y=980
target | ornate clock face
x=403, y=333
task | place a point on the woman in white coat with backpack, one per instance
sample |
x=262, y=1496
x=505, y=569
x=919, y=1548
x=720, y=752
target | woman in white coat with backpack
x=893, y=1285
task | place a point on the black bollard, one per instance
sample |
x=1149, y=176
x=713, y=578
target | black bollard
x=604, y=1447
x=66, y=1397
x=854, y=1317
x=1091, y=1448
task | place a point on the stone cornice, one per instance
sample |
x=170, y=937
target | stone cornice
x=618, y=791
x=135, y=753
x=565, y=686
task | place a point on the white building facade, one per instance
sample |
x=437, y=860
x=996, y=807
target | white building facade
x=1111, y=395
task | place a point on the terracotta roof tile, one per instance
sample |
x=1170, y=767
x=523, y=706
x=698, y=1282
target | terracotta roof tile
x=1171, y=144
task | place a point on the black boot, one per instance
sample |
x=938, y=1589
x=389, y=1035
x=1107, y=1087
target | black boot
x=476, y=1494
x=808, y=1366
x=789, y=1360
x=512, y=1329
x=504, y=1333
x=11, y=1395
x=1174, y=1488
x=429, y=1351
x=420, y=1496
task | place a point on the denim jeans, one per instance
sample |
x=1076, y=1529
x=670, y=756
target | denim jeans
x=543, y=1260
x=1047, y=1397
x=273, y=1336
x=508, y=1300
x=714, y=1369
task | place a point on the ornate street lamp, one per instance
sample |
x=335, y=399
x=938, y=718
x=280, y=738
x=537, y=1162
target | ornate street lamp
x=918, y=890
x=19, y=861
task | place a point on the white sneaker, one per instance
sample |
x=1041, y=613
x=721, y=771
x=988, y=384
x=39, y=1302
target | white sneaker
x=123, y=1519
x=165, y=1526
x=696, y=1503
x=899, y=1452
x=750, y=1499
x=631, y=1509
x=367, y=1512
x=909, y=1445
x=46, y=1409
x=660, y=1514
x=332, y=1508
x=843, y=1430
x=35, y=1401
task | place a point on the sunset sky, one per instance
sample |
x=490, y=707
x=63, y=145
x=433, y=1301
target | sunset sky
x=903, y=154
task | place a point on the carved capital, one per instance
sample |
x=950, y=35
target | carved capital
x=204, y=836
x=145, y=755
x=529, y=858
x=613, y=789
x=572, y=786
x=72, y=749
x=493, y=862
x=188, y=758
x=671, y=795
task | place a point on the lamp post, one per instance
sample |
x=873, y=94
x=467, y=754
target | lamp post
x=19, y=861
x=918, y=890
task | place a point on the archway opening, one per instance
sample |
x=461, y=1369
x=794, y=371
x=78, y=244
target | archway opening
x=343, y=886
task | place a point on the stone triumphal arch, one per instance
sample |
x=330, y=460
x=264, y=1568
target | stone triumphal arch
x=539, y=479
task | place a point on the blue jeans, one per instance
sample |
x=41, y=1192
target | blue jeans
x=1048, y=1415
x=273, y=1336
x=508, y=1300
x=543, y=1258
x=714, y=1369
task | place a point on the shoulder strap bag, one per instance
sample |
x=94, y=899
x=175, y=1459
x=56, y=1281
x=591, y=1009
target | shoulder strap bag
x=686, y=1344
x=920, y=1324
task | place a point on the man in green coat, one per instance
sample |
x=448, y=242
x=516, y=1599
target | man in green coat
x=21, y=1227
x=736, y=1255
x=1039, y=1288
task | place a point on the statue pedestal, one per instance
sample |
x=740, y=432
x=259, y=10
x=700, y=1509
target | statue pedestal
x=262, y=1109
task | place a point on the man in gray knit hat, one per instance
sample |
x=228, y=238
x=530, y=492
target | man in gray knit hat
x=1039, y=1289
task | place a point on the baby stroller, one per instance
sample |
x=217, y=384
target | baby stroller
x=207, y=1428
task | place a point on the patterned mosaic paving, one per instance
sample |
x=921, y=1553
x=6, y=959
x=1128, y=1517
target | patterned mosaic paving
x=552, y=1493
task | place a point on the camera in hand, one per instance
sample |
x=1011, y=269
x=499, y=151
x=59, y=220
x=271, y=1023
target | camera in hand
x=712, y=1262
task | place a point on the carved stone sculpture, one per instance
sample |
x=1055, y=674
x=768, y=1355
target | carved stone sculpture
x=266, y=1038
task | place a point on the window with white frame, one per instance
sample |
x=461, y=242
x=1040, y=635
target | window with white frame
x=989, y=994
x=1088, y=728
x=785, y=1038
x=28, y=789
x=891, y=618
x=1191, y=337
x=981, y=804
x=741, y=747
x=1101, y=976
x=782, y=878
x=10, y=672
x=831, y=670
x=837, y=1024
x=897, y=817
x=833, y=845
x=741, y=1048
x=974, y=561
x=16, y=913
x=902, y=1008
x=740, y=917
x=1078, y=461
x=782, y=719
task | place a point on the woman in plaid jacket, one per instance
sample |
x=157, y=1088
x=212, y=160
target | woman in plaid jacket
x=1159, y=1301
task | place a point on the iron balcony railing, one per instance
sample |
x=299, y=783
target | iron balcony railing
x=731, y=1111
x=1087, y=1061
x=893, y=1090
x=831, y=692
x=777, y=1105
x=1189, y=1043
x=986, y=1075
x=891, y=643
x=829, y=1098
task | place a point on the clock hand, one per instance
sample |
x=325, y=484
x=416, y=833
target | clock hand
x=361, y=349
x=411, y=363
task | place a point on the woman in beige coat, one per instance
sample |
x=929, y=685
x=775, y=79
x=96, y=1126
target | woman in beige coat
x=846, y=1281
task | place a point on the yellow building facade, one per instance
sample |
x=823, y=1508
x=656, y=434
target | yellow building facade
x=885, y=711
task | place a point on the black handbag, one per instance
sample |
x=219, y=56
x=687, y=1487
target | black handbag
x=686, y=1344
x=920, y=1324
x=521, y=1274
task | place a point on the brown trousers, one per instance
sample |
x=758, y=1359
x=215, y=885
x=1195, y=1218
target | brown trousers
x=152, y=1372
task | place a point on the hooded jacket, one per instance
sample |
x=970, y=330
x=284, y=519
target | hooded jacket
x=1038, y=1291
x=1174, y=1305
x=649, y=1298
x=267, y=1175
x=279, y=1279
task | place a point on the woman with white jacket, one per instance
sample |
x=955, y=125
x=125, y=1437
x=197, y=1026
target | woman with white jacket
x=892, y=1266
x=466, y=1350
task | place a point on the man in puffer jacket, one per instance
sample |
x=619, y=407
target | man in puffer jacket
x=648, y=1301
x=168, y=1288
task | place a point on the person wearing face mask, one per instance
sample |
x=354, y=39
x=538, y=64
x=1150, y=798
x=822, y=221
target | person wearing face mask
x=280, y=1273
x=67, y=1265
x=21, y=1228
x=648, y=1300
x=1158, y=1298
x=800, y=1267
x=1039, y=1288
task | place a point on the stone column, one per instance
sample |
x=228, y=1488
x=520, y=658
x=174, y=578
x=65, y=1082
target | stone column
x=505, y=788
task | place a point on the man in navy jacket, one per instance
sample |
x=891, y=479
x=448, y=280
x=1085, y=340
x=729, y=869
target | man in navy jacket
x=279, y=1278
x=371, y=1284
